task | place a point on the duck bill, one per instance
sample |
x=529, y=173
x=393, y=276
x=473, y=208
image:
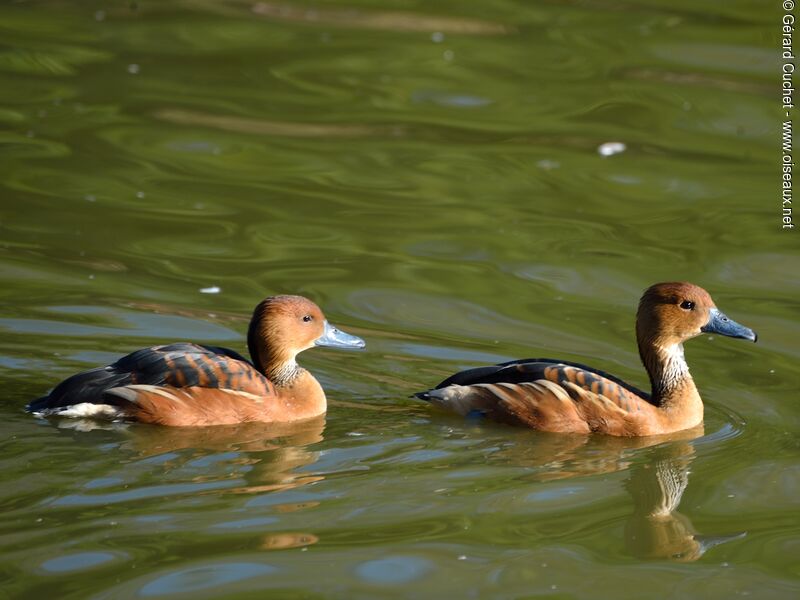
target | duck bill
x=335, y=338
x=719, y=323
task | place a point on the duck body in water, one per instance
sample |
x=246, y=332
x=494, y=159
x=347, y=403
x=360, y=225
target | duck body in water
x=185, y=384
x=561, y=396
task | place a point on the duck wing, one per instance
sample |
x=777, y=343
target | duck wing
x=179, y=365
x=546, y=394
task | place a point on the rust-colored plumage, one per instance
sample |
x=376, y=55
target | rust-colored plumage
x=186, y=384
x=560, y=396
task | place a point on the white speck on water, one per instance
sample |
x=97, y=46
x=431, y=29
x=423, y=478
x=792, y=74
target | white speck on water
x=731, y=495
x=548, y=165
x=554, y=587
x=711, y=338
x=611, y=148
x=90, y=198
x=437, y=37
x=91, y=276
x=448, y=55
x=133, y=69
x=544, y=565
x=100, y=15
x=211, y=290
x=462, y=557
x=140, y=195
x=772, y=370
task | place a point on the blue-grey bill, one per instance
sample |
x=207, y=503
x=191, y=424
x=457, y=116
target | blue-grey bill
x=336, y=338
x=719, y=323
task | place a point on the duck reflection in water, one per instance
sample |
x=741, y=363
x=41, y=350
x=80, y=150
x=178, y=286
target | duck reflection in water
x=658, y=469
x=656, y=530
x=271, y=454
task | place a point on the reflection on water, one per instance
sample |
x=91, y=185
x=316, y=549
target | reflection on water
x=268, y=457
x=427, y=172
x=656, y=529
x=352, y=17
x=659, y=469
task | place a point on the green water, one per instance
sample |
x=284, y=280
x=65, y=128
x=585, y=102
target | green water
x=428, y=172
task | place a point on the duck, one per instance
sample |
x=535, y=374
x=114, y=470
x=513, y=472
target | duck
x=184, y=384
x=567, y=397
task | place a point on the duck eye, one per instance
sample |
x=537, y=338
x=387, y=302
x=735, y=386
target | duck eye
x=687, y=305
x=307, y=318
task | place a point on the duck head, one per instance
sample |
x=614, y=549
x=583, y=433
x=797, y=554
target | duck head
x=671, y=313
x=284, y=326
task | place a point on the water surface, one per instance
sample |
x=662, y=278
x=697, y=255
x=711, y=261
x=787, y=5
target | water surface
x=429, y=174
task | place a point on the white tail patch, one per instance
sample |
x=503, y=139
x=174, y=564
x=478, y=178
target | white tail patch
x=83, y=410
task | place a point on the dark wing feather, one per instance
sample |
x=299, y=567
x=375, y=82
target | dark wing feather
x=534, y=369
x=178, y=365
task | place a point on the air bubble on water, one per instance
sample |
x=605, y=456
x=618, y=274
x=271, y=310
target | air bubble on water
x=611, y=148
x=214, y=289
x=548, y=165
x=133, y=69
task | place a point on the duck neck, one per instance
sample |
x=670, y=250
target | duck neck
x=280, y=368
x=283, y=373
x=672, y=386
x=277, y=364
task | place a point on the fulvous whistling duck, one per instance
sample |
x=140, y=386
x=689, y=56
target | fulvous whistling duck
x=186, y=384
x=561, y=396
